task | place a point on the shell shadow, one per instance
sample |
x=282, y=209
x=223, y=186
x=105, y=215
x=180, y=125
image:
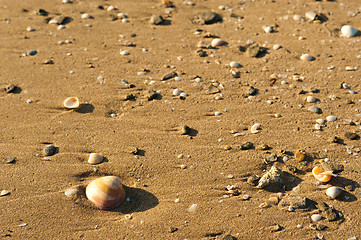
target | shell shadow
x=85, y=108
x=140, y=201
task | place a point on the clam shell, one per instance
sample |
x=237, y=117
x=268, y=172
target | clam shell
x=333, y=192
x=106, y=192
x=311, y=15
x=316, y=217
x=307, y=57
x=71, y=102
x=95, y=158
x=321, y=175
x=348, y=31
x=234, y=64
x=255, y=128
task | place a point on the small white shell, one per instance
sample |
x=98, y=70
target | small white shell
x=331, y=118
x=333, y=192
x=316, y=217
x=95, y=158
x=297, y=17
x=320, y=121
x=71, y=102
x=192, y=208
x=70, y=191
x=255, y=128
x=311, y=99
x=234, y=64
x=267, y=29
x=106, y=192
x=307, y=57
x=217, y=42
x=348, y=31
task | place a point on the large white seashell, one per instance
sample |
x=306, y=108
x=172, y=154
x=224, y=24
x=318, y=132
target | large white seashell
x=217, y=42
x=95, y=158
x=255, y=128
x=333, y=192
x=71, y=102
x=106, y=192
x=348, y=31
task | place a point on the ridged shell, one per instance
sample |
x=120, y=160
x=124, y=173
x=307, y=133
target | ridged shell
x=71, y=102
x=333, y=192
x=106, y=192
x=95, y=158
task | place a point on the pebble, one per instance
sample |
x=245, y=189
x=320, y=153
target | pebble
x=4, y=193
x=311, y=99
x=307, y=57
x=86, y=16
x=176, y=92
x=267, y=29
x=333, y=192
x=351, y=135
x=209, y=17
x=321, y=121
x=70, y=191
x=331, y=118
x=217, y=42
x=311, y=15
x=177, y=200
x=49, y=150
x=9, y=160
x=59, y=19
x=156, y=19
x=192, y=208
x=348, y=68
x=348, y=31
x=253, y=50
x=316, y=217
x=234, y=64
x=276, y=46
x=314, y=109
x=31, y=52
x=297, y=18
x=124, y=52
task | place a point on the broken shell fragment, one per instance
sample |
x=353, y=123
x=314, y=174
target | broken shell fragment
x=71, y=102
x=95, y=158
x=106, y=192
x=322, y=176
x=255, y=128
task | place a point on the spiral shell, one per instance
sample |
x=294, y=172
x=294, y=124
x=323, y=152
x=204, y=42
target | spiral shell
x=71, y=102
x=106, y=192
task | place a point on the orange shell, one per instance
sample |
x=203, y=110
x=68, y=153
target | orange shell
x=321, y=175
x=106, y=192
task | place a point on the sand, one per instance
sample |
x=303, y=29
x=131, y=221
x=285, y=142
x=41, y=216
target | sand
x=154, y=179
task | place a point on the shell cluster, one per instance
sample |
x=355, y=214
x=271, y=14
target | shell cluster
x=106, y=192
x=322, y=176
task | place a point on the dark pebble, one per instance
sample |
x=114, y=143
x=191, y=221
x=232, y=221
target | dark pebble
x=247, y=146
x=49, y=150
x=351, y=135
x=201, y=53
x=252, y=91
x=9, y=160
x=169, y=76
x=173, y=229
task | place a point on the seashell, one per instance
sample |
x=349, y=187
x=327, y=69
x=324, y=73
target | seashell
x=321, y=121
x=95, y=158
x=267, y=29
x=297, y=18
x=106, y=192
x=86, y=16
x=300, y=155
x=71, y=102
x=333, y=192
x=311, y=99
x=307, y=57
x=322, y=176
x=348, y=31
x=255, y=128
x=316, y=217
x=176, y=92
x=217, y=42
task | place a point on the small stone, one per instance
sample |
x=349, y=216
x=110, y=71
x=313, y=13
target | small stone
x=4, y=193
x=314, y=109
x=246, y=197
x=169, y=76
x=311, y=15
x=31, y=52
x=156, y=19
x=173, y=229
x=59, y=19
x=297, y=17
x=297, y=202
x=272, y=177
x=300, y=155
x=201, y=53
x=331, y=215
x=247, y=146
x=95, y=158
x=275, y=228
x=151, y=95
x=9, y=160
x=273, y=201
x=263, y=147
x=276, y=46
x=86, y=16
x=331, y=118
x=124, y=53
x=320, y=227
x=70, y=191
x=316, y=217
x=49, y=150
x=253, y=50
x=213, y=89
x=209, y=17
x=185, y=130
x=307, y=57
x=333, y=192
x=348, y=31
x=351, y=136
x=335, y=139
x=253, y=179
x=41, y=12
x=176, y=92
x=271, y=159
x=10, y=88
